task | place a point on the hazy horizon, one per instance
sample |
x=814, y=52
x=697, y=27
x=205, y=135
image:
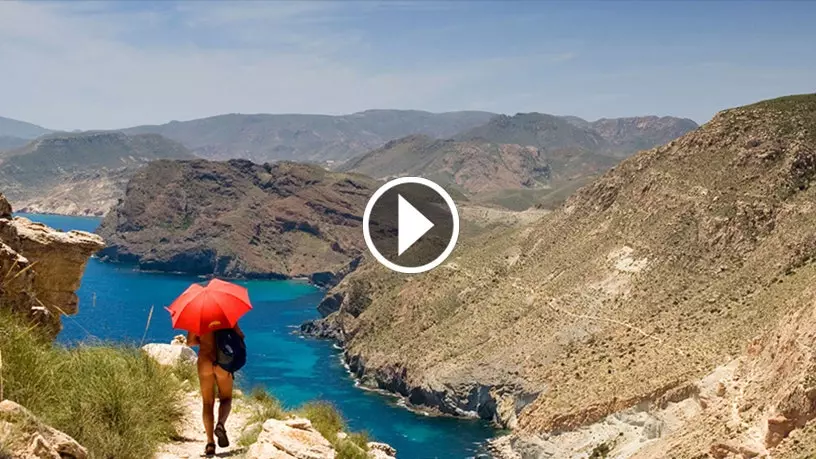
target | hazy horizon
x=103, y=66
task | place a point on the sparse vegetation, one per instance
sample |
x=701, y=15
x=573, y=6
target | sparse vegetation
x=329, y=422
x=114, y=400
x=185, y=372
x=268, y=406
x=325, y=419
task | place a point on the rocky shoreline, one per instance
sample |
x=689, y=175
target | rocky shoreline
x=498, y=404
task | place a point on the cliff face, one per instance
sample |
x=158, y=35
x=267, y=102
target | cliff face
x=643, y=284
x=41, y=267
x=240, y=219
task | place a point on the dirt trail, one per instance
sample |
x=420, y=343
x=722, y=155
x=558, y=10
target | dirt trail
x=191, y=437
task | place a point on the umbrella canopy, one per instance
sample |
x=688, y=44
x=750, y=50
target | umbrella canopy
x=204, y=309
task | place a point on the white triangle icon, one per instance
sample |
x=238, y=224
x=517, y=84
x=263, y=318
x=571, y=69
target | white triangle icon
x=411, y=225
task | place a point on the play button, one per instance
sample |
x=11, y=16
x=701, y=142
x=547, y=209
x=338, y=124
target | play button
x=410, y=225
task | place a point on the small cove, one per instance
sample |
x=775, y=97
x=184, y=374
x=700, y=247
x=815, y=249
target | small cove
x=115, y=302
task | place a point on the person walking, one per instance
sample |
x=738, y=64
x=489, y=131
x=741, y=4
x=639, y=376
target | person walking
x=210, y=376
x=210, y=315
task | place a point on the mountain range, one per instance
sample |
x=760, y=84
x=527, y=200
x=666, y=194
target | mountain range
x=522, y=160
x=262, y=138
x=473, y=166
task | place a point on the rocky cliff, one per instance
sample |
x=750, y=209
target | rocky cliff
x=41, y=267
x=79, y=173
x=625, y=301
x=239, y=219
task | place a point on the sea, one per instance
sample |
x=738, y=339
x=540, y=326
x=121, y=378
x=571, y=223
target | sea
x=115, y=303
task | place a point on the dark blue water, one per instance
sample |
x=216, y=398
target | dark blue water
x=115, y=302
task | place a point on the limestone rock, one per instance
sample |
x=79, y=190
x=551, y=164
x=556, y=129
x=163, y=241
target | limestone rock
x=25, y=437
x=42, y=267
x=379, y=450
x=293, y=438
x=170, y=354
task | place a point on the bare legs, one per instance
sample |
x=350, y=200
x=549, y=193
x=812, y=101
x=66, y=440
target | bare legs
x=209, y=376
x=224, y=382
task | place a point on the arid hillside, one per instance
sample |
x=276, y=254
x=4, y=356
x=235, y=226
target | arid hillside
x=644, y=283
x=472, y=166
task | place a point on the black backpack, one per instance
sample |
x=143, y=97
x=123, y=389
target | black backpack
x=230, y=350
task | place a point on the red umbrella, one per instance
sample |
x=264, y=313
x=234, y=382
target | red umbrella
x=204, y=309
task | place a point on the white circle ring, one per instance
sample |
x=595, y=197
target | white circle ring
x=411, y=269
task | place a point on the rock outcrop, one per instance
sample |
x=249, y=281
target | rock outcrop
x=644, y=283
x=291, y=438
x=263, y=137
x=23, y=436
x=175, y=353
x=41, y=267
x=240, y=219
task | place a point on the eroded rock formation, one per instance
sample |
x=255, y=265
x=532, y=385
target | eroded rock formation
x=41, y=267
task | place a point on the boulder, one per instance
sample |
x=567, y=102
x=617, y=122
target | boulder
x=292, y=438
x=170, y=354
x=23, y=436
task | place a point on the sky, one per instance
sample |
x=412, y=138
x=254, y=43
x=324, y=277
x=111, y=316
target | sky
x=112, y=65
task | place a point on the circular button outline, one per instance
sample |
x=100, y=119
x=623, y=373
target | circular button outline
x=410, y=269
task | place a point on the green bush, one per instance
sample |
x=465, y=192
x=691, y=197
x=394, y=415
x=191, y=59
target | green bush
x=114, y=400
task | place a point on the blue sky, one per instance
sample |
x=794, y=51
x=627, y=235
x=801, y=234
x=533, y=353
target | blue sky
x=108, y=65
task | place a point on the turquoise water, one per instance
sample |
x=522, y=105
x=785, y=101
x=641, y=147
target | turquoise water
x=115, y=302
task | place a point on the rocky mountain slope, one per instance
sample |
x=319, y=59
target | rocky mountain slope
x=576, y=148
x=79, y=173
x=263, y=137
x=520, y=161
x=41, y=267
x=627, y=135
x=632, y=299
x=239, y=219
x=473, y=166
